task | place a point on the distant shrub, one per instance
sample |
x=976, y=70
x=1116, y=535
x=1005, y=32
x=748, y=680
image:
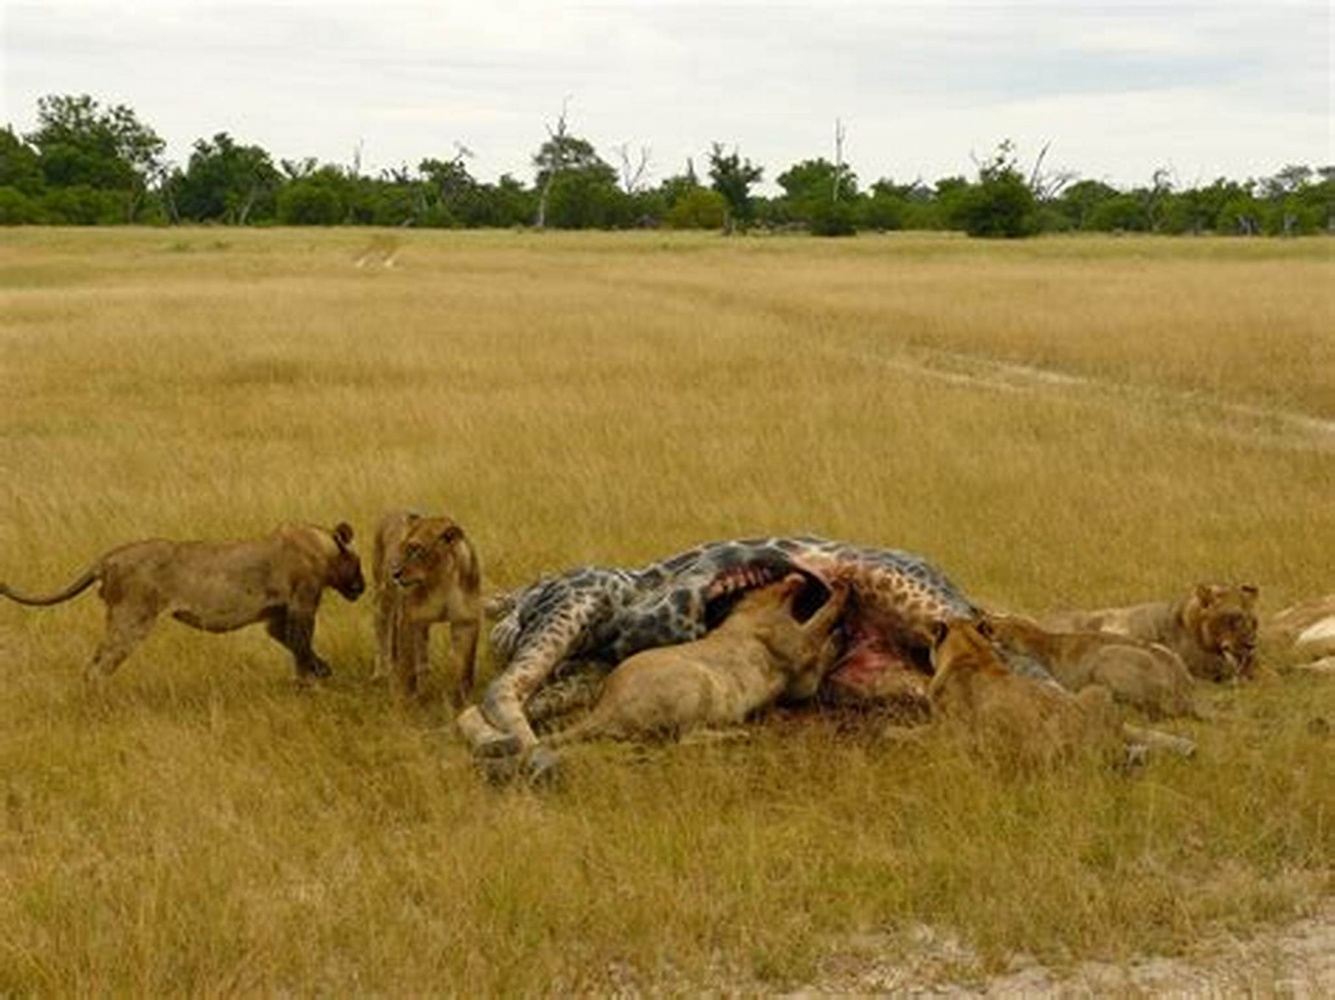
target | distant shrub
x=310, y=202
x=81, y=205
x=832, y=219
x=698, y=208
x=17, y=209
x=1000, y=205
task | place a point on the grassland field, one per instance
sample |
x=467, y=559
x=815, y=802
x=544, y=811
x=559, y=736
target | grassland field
x=1056, y=422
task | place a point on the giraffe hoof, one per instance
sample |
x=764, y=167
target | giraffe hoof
x=500, y=746
x=542, y=768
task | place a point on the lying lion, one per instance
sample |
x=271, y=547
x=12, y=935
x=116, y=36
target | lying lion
x=760, y=652
x=1017, y=721
x=426, y=571
x=1305, y=632
x=1213, y=629
x=1146, y=676
x=218, y=587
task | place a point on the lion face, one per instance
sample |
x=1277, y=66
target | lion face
x=428, y=548
x=961, y=640
x=345, y=572
x=1222, y=618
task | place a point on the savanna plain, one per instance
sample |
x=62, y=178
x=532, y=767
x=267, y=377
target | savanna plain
x=1055, y=423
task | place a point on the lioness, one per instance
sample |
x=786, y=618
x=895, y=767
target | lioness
x=218, y=587
x=759, y=653
x=1305, y=631
x=1146, y=676
x=1019, y=721
x=426, y=571
x=1010, y=719
x=1213, y=629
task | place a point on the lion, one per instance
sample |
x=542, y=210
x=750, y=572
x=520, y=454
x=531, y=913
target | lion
x=426, y=571
x=1147, y=676
x=1213, y=628
x=760, y=653
x=1305, y=632
x=1020, y=722
x=218, y=587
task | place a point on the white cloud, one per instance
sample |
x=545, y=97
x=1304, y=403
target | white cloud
x=1232, y=88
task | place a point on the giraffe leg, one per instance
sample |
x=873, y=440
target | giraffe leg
x=578, y=687
x=538, y=655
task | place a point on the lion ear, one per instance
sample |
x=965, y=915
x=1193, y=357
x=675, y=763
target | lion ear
x=1205, y=594
x=343, y=534
x=1250, y=592
x=452, y=534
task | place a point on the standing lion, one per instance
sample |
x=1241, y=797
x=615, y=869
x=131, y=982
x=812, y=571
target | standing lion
x=218, y=587
x=426, y=571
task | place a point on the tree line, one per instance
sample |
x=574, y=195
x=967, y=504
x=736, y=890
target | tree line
x=86, y=164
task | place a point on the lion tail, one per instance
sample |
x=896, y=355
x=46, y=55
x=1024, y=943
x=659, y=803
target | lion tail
x=89, y=577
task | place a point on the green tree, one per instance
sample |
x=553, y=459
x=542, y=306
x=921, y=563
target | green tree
x=732, y=177
x=317, y=198
x=1079, y=201
x=886, y=205
x=227, y=182
x=679, y=186
x=20, y=164
x=1241, y=215
x=698, y=208
x=588, y=198
x=578, y=189
x=1001, y=204
x=821, y=196
x=17, y=209
x=510, y=202
x=1120, y=213
x=82, y=144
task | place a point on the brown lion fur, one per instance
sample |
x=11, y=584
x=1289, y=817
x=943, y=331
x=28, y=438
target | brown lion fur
x=759, y=653
x=426, y=571
x=1013, y=721
x=217, y=587
x=1303, y=632
x=1147, y=676
x=1213, y=628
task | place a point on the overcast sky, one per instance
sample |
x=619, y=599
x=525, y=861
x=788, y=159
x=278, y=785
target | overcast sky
x=1119, y=88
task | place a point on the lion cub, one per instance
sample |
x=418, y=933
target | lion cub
x=1213, y=628
x=759, y=653
x=1146, y=676
x=1007, y=718
x=218, y=587
x=426, y=571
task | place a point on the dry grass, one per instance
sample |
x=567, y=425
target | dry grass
x=208, y=828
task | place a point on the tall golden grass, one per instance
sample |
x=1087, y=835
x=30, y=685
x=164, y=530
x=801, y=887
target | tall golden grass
x=1059, y=422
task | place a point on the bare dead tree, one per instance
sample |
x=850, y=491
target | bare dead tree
x=557, y=137
x=633, y=175
x=1047, y=186
x=1161, y=186
x=840, y=133
x=163, y=178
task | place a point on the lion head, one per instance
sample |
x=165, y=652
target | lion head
x=1221, y=619
x=963, y=643
x=345, y=572
x=432, y=548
